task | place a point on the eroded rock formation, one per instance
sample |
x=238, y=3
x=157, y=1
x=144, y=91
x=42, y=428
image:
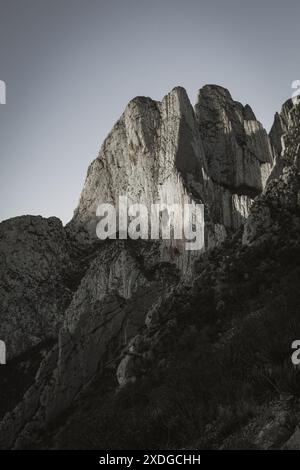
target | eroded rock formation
x=34, y=258
x=217, y=153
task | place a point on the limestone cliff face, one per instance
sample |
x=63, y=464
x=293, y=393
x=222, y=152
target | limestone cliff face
x=282, y=193
x=138, y=157
x=217, y=153
x=238, y=154
x=285, y=137
x=236, y=146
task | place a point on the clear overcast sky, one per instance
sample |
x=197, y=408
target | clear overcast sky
x=71, y=66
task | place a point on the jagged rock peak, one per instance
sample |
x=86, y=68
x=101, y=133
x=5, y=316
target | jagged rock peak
x=141, y=156
x=217, y=92
x=214, y=90
x=168, y=151
x=237, y=147
x=285, y=137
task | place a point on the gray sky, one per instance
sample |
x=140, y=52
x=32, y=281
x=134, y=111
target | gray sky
x=71, y=66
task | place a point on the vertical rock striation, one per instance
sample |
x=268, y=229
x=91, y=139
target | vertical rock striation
x=217, y=154
x=285, y=137
x=280, y=200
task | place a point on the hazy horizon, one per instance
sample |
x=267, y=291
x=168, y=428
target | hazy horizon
x=71, y=66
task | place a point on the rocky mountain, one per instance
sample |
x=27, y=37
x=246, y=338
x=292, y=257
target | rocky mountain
x=182, y=348
x=217, y=153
